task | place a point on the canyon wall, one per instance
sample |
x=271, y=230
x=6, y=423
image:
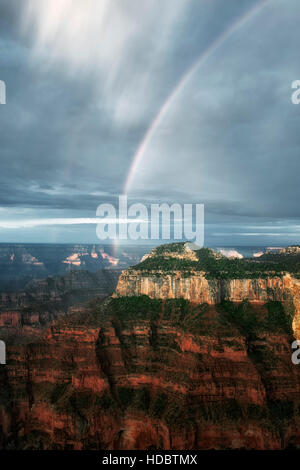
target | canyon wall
x=166, y=363
x=118, y=381
x=43, y=300
x=195, y=287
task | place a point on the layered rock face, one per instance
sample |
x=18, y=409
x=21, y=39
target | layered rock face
x=197, y=288
x=177, y=359
x=156, y=375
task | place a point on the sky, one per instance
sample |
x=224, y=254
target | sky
x=198, y=90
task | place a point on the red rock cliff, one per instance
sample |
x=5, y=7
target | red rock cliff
x=197, y=288
x=176, y=360
x=131, y=379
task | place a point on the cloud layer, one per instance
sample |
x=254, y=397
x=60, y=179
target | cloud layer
x=85, y=81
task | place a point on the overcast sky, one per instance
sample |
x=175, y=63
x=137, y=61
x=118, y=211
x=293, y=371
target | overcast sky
x=86, y=80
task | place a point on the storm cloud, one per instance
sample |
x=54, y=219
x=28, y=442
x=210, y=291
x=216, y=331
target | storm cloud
x=85, y=80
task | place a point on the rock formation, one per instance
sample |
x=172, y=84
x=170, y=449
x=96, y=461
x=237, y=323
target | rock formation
x=177, y=359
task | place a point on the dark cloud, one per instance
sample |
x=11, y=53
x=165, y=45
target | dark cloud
x=79, y=102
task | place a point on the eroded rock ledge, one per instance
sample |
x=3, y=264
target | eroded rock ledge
x=200, y=286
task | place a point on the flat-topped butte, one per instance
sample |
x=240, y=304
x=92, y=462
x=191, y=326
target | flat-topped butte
x=181, y=257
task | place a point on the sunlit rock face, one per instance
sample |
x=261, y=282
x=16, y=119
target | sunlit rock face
x=196, y=286
x=198, y=289
x=159, y=285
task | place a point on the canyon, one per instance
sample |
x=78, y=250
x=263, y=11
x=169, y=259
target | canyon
x=28, y=311
x=19, y=264
x=179, y=357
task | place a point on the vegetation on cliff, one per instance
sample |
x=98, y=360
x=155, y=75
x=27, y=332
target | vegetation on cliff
x=216, y=266
x=180, y=312
x=276, y=317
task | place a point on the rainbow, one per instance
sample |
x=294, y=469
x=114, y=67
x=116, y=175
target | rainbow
x=138, y=157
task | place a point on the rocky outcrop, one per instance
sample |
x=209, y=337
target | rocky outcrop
x=294, y=250
x=197, y=288
x=160, y=285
